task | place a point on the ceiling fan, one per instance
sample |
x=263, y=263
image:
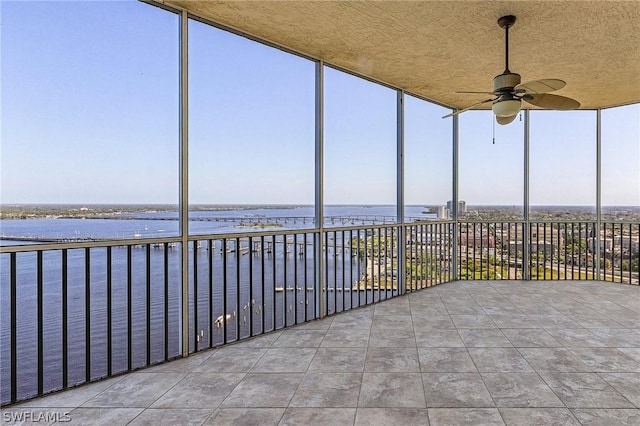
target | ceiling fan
x=509, y=93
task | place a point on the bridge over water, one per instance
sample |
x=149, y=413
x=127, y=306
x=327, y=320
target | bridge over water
x=240, y=221
x=345, y=220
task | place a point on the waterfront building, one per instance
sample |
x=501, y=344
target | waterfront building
x=462, y=207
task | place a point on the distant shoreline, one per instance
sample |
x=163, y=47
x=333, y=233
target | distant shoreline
x=97, y=211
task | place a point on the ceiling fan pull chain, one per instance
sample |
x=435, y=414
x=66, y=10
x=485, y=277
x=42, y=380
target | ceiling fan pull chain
x=494, y=131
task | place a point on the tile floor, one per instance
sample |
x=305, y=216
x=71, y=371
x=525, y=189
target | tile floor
x=472, y=352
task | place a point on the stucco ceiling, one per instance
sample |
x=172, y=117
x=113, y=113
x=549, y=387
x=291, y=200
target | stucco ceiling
x=435, y=48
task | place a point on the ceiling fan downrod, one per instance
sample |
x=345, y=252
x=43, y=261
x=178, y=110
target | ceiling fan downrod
x=506, y=22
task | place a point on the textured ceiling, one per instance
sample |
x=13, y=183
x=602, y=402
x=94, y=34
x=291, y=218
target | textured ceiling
x=435, y=48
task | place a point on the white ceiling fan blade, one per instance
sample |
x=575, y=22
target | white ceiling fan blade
x=541, y=86
x=506, y=120
x=543, y=100
x=468, y=108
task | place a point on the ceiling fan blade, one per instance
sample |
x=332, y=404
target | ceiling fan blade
x=506, y=120
x=546, y=101
x=541, y=86
x=468, y=108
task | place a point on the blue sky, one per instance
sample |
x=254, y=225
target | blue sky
x=90, y=115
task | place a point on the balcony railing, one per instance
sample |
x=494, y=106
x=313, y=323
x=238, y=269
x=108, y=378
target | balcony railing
x=554, y=251
x=77, y=312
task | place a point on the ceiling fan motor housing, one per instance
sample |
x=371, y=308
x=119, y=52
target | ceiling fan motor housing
x=505, y=81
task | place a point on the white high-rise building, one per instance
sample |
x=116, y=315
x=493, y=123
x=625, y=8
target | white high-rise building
x=462, y=207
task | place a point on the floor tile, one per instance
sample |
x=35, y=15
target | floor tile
x=446, y=360
x=553, y=359
x=232, y=359
x=627, y=320
x=264, y=390
x=429, y=310
x=101, y=416
x=461, y=308
x=392, y=390
x=392, y=416
x=328, y=390
x=585, y=390
x=506, y=309
x=530, y=338
x=520, y=390
x=71, y=398
x=346, y=338
x=615, y=337
x=199, y=390
x=596, y=321
x=607, y=417
x=465, y=416
x=392, y=322
x=606, y=360
x=528, y=308
x=554, y=321
x=434, y=338
x=285, y=360
x=361, y=319
x=576, y=338
x=499, y=360
x=456, y=390
x=339, y=360
x=512, y=321
x=172, y=416
x=484, y=338
x=538, y=416
x=136, y=390
x=633, y=353
x=395, y=306
x=381, y=338
x=245, y=417
x=296, y=338
x=628, y=384
x=472, y=321
x=390, y=360
x=439, y=322
x=318, y=416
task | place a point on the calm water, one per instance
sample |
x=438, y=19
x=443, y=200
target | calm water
x=255, y=306
x=149, y=225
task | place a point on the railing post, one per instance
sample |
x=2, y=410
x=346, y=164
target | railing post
x=456, y=225
x=319, y=192
x=596, y=237
x=400, y=238
x=526, y=224
x=184, y=177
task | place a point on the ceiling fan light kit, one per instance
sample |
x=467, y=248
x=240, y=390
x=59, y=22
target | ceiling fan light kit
x=509, y=92
x=506, y=108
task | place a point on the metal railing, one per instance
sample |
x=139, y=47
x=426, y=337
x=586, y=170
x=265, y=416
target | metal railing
x=78, y=312
x=557, y=250
x=72, y=315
